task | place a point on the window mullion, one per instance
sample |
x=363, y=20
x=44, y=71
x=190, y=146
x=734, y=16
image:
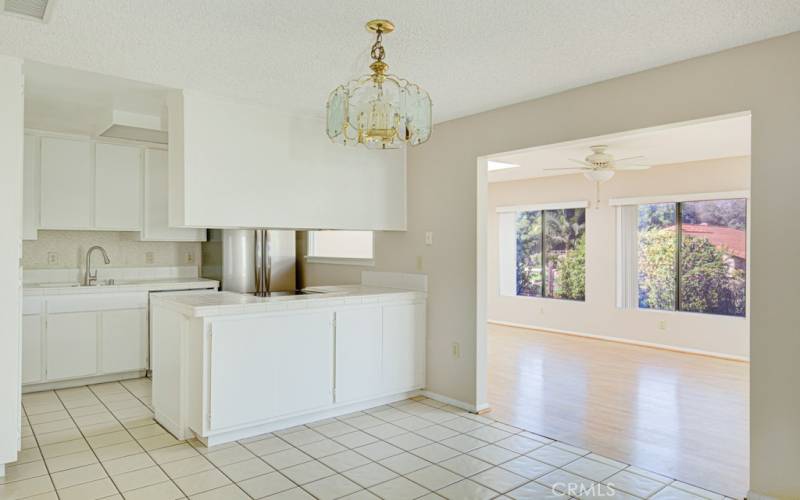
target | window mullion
x=544, y=254
x=678, y=243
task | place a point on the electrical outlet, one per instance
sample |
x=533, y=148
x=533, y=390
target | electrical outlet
x=419, y=263
x=52, y=258
x=148, y=258
x=456, y=350
x=429, y=238
x=189, y=257
x=662, y=325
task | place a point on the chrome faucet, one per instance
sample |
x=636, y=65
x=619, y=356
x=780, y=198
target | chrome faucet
x=90, y=278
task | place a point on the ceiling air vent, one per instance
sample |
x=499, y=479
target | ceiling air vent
x=29, y=9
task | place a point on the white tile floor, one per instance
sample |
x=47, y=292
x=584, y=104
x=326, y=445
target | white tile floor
x=101, y=441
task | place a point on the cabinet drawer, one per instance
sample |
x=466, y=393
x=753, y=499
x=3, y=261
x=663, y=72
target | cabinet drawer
x=96, y=302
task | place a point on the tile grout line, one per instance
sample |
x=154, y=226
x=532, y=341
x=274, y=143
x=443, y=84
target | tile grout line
x=364, y=429
x=147, y=452
x=39, y=448
x=137, y=442
x=87, y=444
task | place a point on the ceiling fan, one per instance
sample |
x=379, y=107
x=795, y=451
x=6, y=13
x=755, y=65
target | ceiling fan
x=601, y=166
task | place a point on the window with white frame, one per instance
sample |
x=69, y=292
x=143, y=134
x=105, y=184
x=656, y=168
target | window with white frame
x=340, y=245
x=543, y=250
x=688, y=253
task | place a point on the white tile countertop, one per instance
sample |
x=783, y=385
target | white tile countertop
x=224, y=303
x=39, y=289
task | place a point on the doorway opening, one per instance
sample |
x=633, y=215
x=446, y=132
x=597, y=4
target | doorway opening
x=614, y=297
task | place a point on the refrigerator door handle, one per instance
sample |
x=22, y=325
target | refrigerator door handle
x=267, y=262
x=257, y=261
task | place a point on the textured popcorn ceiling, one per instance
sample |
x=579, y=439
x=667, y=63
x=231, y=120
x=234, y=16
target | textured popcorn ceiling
x=472, y=55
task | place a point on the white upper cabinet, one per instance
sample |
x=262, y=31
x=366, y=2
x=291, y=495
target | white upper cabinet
x=156, y=202
x=118, y=187
x=30, y=189
x=79, y=184
x=67, y=184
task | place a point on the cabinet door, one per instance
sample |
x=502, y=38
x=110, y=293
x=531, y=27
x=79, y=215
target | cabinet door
x=31, y=348
x=358, y=353
x=156, y=202
x=123, y=340
x=268, y=366
x=118, y=191
x=403, y=347
x=67, y=194
x=71, y=345
x=30, y=189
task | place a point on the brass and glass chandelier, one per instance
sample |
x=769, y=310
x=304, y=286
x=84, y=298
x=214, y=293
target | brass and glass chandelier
x=379, y=110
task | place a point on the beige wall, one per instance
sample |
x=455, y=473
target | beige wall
x=122, y=249
x=598, y=315
x=443, y=197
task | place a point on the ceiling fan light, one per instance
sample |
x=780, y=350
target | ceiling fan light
x=599, y=175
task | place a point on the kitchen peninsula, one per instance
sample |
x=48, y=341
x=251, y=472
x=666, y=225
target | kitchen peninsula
x=227, y=366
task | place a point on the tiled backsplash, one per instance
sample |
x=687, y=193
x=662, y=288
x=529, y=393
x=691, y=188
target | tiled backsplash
x=67, y=249
x=59, y=257
x=74, y=274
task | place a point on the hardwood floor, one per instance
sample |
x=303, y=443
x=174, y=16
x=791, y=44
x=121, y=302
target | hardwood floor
x=681, y=415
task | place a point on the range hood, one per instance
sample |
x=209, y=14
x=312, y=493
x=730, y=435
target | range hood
x=134, y=127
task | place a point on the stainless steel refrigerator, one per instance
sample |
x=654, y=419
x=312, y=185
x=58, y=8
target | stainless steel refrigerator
x=255, y=261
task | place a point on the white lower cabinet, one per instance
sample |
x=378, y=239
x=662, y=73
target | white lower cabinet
x=123, y=340
x=358, y=353
x=267, y=366
x=71, y=345
x=32, y=368
x=225, y=377
x=403, y=347
x=84, y=335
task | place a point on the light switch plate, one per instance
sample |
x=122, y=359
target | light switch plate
x=429, y=238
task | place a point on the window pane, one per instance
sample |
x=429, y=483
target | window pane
x=565, y=253
x=341, y=244
x=657, y=244
x=713, y=256
x=529, y=253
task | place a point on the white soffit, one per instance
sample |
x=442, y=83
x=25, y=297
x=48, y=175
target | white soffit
x=471, y=55
x=79, y=102
x=722, y=137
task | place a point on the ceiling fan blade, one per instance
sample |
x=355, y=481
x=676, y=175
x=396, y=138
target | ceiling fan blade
x=632, y=167
x=567, y=168
x=629, y=158
x=582, y=162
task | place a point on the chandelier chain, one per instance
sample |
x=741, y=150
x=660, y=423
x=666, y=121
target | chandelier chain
x=377, y=51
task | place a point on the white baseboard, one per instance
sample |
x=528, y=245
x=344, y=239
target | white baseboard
x=752, y=495
x=455, y=402
x=620, y=340
x=226, y=436
x=78, y=382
